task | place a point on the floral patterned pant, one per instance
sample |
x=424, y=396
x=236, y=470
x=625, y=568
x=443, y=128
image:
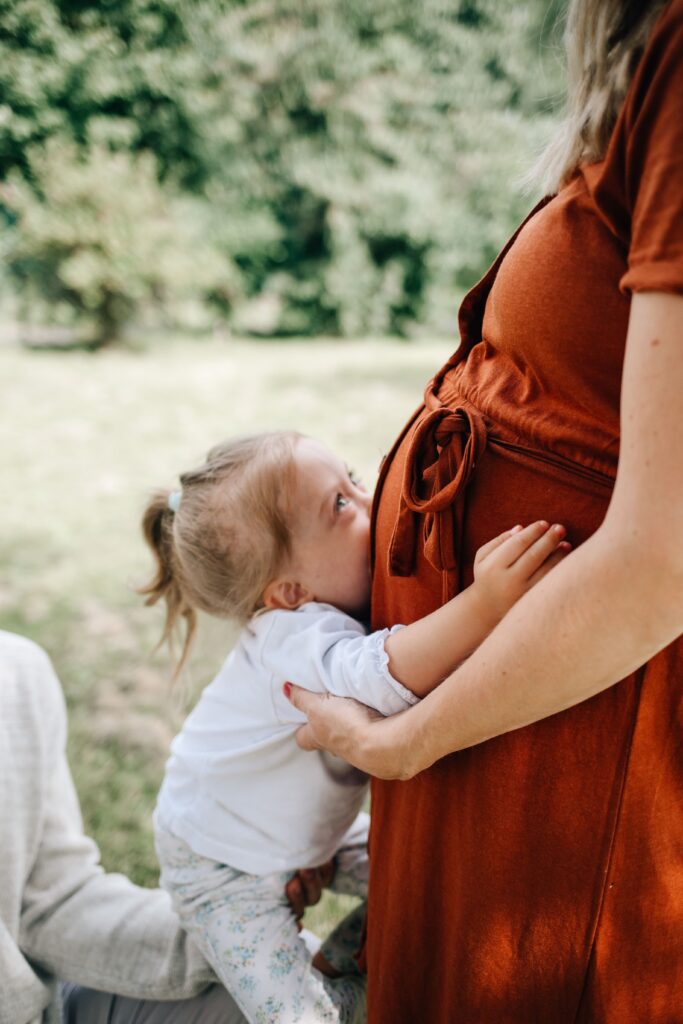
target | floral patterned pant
x=246, y=930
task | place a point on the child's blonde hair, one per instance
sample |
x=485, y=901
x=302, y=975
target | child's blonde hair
x=228, y=537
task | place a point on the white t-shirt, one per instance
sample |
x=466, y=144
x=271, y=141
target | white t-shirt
x=237, y=787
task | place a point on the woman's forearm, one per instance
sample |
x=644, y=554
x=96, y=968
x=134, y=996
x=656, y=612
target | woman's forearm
x=591, y=622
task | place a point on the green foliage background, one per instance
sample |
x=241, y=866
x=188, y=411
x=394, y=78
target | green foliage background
x=329, y=167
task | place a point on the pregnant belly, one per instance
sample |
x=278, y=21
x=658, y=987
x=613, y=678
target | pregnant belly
x=518, y=485
x=421, y=559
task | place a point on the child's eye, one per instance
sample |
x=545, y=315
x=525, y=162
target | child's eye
x=353, y=476
x=340, y=502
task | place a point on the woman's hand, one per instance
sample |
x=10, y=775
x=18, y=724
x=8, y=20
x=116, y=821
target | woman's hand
x=353, y=731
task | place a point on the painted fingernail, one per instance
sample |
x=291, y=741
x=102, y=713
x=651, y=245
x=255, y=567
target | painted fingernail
x=287, y=690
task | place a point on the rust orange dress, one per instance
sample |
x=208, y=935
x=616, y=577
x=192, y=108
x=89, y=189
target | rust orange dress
x=537, y=878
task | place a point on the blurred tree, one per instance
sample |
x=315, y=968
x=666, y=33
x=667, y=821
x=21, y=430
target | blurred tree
x=102, y=237
x=71, y=67
x=357, y=162
x=377, y=146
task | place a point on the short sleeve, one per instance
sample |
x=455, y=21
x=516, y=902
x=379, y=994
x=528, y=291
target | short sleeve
x=653, y=122
x=652, y=153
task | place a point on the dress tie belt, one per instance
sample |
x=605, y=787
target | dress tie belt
x=442, y=454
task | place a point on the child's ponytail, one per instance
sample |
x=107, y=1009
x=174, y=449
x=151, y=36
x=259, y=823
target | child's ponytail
x=157, y=528
x=224, y=536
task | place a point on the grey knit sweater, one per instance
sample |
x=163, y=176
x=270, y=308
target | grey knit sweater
x=61, y=916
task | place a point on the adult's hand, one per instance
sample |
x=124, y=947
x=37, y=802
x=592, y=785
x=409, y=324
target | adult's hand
x=351, y=730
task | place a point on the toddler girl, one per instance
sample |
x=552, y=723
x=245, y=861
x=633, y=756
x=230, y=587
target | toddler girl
x=273, y=530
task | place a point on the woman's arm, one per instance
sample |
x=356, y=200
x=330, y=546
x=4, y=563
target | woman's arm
x=600, y=615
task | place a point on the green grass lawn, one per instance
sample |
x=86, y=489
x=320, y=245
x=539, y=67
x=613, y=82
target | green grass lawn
x=84, y=439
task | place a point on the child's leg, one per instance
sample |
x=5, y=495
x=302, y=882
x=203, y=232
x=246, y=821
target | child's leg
x=244, y=927
x=350, y=879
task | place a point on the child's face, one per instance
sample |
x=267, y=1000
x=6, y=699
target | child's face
x=330, y=535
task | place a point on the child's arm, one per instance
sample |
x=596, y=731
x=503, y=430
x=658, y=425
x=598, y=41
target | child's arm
x=390, y=670
x=423, y=654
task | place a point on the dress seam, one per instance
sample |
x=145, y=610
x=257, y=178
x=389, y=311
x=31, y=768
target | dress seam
x=610, y=854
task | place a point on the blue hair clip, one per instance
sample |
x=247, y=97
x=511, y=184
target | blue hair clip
x=173, y=500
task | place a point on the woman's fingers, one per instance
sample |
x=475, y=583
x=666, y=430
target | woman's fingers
x=355, y=732
x=306, y=738
x=337, y=724
x=306, y=702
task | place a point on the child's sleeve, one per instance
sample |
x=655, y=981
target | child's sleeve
x=328, y=652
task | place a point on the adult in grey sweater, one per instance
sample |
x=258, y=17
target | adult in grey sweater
x=61, y=915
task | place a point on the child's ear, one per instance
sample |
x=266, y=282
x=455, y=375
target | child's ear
x=286, y=594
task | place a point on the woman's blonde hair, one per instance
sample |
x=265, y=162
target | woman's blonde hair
x=604, y=41
x=228, y=537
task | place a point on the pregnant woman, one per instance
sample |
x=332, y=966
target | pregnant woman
x=544, y=859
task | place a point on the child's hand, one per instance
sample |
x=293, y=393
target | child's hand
x=509, y=565
x=305, y=887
